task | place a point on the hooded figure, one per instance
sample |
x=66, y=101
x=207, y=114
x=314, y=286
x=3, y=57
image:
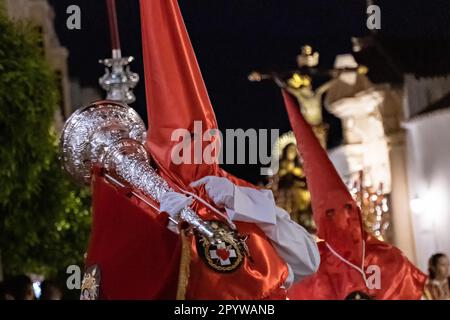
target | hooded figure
x=351, y=259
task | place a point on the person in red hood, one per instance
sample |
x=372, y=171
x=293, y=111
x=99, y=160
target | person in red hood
x=351, y=259
x=134, y=252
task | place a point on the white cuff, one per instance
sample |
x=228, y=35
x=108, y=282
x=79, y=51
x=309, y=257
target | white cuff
x=290, y=278
x=252, y=205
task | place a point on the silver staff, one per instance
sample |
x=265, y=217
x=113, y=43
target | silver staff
x=111, y=135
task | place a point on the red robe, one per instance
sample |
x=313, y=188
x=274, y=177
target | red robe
x=339, y=223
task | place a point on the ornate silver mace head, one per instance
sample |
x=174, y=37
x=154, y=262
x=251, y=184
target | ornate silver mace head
x=91, y=131
x=110, y=135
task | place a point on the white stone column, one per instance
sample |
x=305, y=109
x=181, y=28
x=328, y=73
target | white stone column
x=365, y=142
x=401, y=220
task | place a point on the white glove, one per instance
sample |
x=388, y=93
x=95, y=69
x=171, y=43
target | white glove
x=173, y=203
x=220, y=190
x=239, y=202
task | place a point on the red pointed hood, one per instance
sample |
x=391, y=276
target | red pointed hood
x=176, y=93
x=336, y=214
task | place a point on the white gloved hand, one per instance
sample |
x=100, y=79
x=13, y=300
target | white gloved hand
x=173, y=203
x=291, y=241
x=220, y=190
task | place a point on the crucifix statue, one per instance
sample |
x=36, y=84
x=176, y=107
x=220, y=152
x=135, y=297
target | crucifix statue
x=289, y=183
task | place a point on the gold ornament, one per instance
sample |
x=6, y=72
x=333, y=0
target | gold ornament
x=90, y=285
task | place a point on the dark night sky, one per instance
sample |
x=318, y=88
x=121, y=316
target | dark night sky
x=233, y=37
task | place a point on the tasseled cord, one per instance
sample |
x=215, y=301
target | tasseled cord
x=185, y=261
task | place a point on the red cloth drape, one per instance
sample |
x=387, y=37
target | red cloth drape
x=339, y=223
x=259, y=278
x=137, y=255
x=176, y=93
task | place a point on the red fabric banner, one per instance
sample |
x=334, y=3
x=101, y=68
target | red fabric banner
x=176, y=93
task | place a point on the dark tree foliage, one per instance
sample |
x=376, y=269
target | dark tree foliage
x=44, y=218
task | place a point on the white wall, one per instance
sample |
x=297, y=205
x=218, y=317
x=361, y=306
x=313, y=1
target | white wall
x=422, y=92
x=428, y=158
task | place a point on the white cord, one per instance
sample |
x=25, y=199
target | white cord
x=112, y=179
x=117, y=182
x=360, y=270
x=211, y=207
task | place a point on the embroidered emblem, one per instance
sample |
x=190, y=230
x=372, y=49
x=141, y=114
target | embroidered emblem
x=223, y=257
